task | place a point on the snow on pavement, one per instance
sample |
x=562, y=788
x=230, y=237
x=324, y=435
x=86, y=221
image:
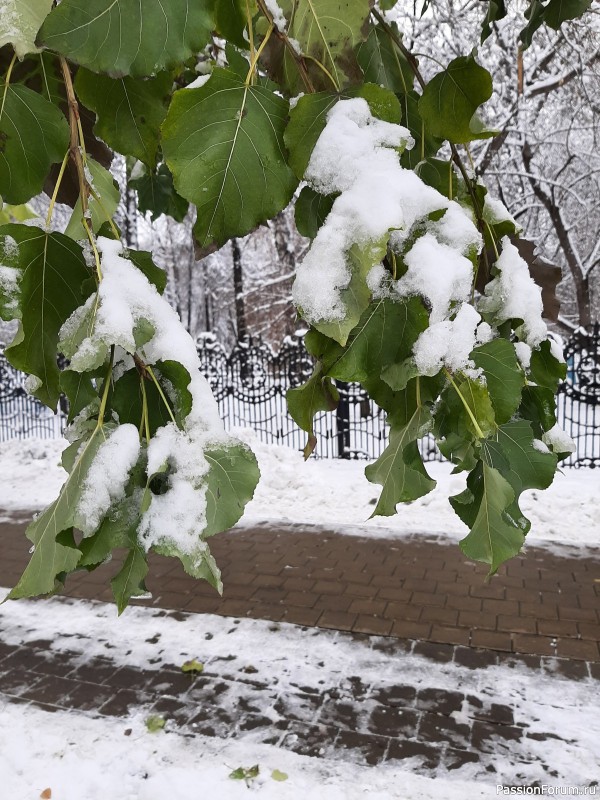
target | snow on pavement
x=335, y=494
x=79, y=757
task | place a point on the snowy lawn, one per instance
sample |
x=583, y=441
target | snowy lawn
x=335, y=494
x=85, y=758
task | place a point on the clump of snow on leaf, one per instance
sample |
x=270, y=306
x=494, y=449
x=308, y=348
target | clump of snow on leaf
x=513, y=294
x=357, y=155
x=559, y=440
x=107, y=477
x=180, y=513
x=450, y=342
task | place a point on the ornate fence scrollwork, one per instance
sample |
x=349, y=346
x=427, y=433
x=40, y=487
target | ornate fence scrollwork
x=579, y=396
x=21, y=415
x=251, y=382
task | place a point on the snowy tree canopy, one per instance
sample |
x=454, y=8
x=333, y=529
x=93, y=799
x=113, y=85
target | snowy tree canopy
x=415, y=282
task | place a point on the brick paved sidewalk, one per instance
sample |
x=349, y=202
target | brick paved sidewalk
x=540, y=604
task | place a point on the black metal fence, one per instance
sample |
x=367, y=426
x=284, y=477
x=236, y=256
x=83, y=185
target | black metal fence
x=250, y=384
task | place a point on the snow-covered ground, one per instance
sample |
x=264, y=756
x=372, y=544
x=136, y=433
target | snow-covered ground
x=83, y=758
x=79, y=758
x=335, y=494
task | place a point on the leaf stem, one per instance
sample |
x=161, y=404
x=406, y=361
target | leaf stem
x=324, y=69
x=298, y=58
x=106, y=388
x=109, y=219
x=61, y=173
x=478, y=430
x=7, y=82
x=75, y=141
x=150, y=372
x=145, y=408
x=250, y=75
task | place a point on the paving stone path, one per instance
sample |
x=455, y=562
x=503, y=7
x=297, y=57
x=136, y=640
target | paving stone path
x=413, y=588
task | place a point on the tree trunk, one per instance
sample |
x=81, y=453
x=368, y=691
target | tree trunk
x=238, y=290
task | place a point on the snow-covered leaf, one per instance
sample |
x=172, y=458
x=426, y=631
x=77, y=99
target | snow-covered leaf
x=55, y=551
x=20, y=21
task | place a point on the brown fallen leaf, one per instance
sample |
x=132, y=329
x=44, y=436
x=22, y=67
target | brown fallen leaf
x=46, y=794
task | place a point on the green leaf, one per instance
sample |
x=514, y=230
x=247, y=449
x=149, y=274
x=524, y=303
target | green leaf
x=457, y=429
x=34, y=134
x=442, y=176
x=400, y=469
x=129, y=581
x=143, y=261
x=231, y=482
x=101, y=209
x=245, y=773
x=487, y=506
x=127, y=37
x=193, y=666
x=232, y=20
x=496, y=11
x=52, y=274
x=552, y=13
x=223, y=142
x=426, y=144
x=51, y=556
x=20, y=213
x=505, y=379
x=277, y=775
x=451, y=98
x=311, y=211
x=317, y=394
x=385, y=334
x=155, y=723
x=513, y=454
x=129, y=111
x=156, y=193
x=328, y=32
x=79, y=390
x=539, y=407
x=546, y=370
x=117, y=530
x=19, y=23
x=383, y=63
x=356, y=296
x=127, y=398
